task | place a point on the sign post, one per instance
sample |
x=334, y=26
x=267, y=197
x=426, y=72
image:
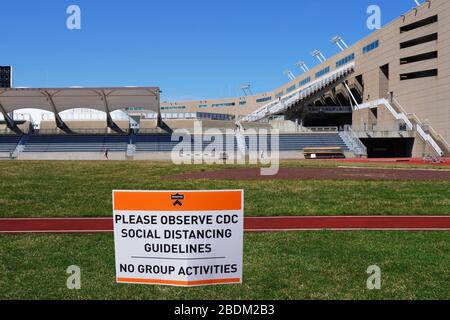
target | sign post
x=179, y=238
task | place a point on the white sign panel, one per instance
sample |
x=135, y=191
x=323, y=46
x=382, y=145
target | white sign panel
x=179, y=238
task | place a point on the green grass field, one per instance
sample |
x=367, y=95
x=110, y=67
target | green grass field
x=299, y=265
x=61, y=189
x=311, y=265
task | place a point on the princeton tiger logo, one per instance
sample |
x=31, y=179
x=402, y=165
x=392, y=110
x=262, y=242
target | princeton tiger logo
x=178, y=198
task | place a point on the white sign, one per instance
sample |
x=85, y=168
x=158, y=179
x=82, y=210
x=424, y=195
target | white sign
x=179, y=238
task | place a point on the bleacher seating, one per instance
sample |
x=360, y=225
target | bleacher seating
x=8, y=143
x=77, y=143
x=287, y=142
x=155, y=142
x=290, y=142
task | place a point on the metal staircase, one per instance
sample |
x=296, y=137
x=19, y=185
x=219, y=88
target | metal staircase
x=353, y=143
x=412, y=123
x=302, y=93
x=20, y=146
x=131, y=146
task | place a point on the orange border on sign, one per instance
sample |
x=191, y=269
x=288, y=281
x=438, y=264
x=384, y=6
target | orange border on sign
x=179, y=283
x=162, y=201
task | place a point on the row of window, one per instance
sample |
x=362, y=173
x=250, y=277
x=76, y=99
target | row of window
x=305, y=81
x=291, y=88
x=370, y=47
x=322, y=72
x=173, y=108
x=265, y=99
x=345, y=60
x=220, y=105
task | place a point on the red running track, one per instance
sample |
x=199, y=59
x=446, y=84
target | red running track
x=257, y=224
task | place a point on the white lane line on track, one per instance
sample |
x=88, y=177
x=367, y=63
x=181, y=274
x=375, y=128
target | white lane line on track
x=246, y=230
x=246, y=218
x=401, y=169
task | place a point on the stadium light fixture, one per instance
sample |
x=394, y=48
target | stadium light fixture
x=246, y=89
x=289, y=74
x=302, y=65
x=337, y=40
x=317, y=54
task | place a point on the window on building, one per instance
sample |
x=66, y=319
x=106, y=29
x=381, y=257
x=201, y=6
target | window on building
x=370, y=47
x=291, y=88
x=322, y=72
x=241, y=103
x=417, y=41
x=221, y=105
x=419, y=24
x=419, y=74
x=173, y=108
x=419, y=57
x=345, y=60
x=305, y=81
x=265, y=99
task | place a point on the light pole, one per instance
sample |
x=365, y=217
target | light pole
x=317, y=54
x=289, y=74
x=302, y=65
x=337, y=40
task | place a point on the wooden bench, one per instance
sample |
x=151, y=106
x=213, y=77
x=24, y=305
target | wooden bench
x=323, y=153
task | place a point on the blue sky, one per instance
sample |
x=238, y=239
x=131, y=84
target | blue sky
x=192, y=49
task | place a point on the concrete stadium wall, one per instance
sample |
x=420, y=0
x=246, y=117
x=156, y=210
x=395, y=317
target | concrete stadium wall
x=71, y=156
x=121, y=156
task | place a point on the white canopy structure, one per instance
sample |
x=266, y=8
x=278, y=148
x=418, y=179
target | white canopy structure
x=57, y=100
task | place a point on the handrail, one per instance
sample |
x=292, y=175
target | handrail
x=298, y=94
x=353, y=141
x=431, y=130
x=403, y=116
x=399, y=116
x=422, y=125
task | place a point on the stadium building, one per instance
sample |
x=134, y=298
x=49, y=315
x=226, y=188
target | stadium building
x=385, y=96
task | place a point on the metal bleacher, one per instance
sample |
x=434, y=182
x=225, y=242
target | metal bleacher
x=287, y=142
x=292, y=142
x=8, y=143
x=77, y=143
x=154, y=143
x=158, y=142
